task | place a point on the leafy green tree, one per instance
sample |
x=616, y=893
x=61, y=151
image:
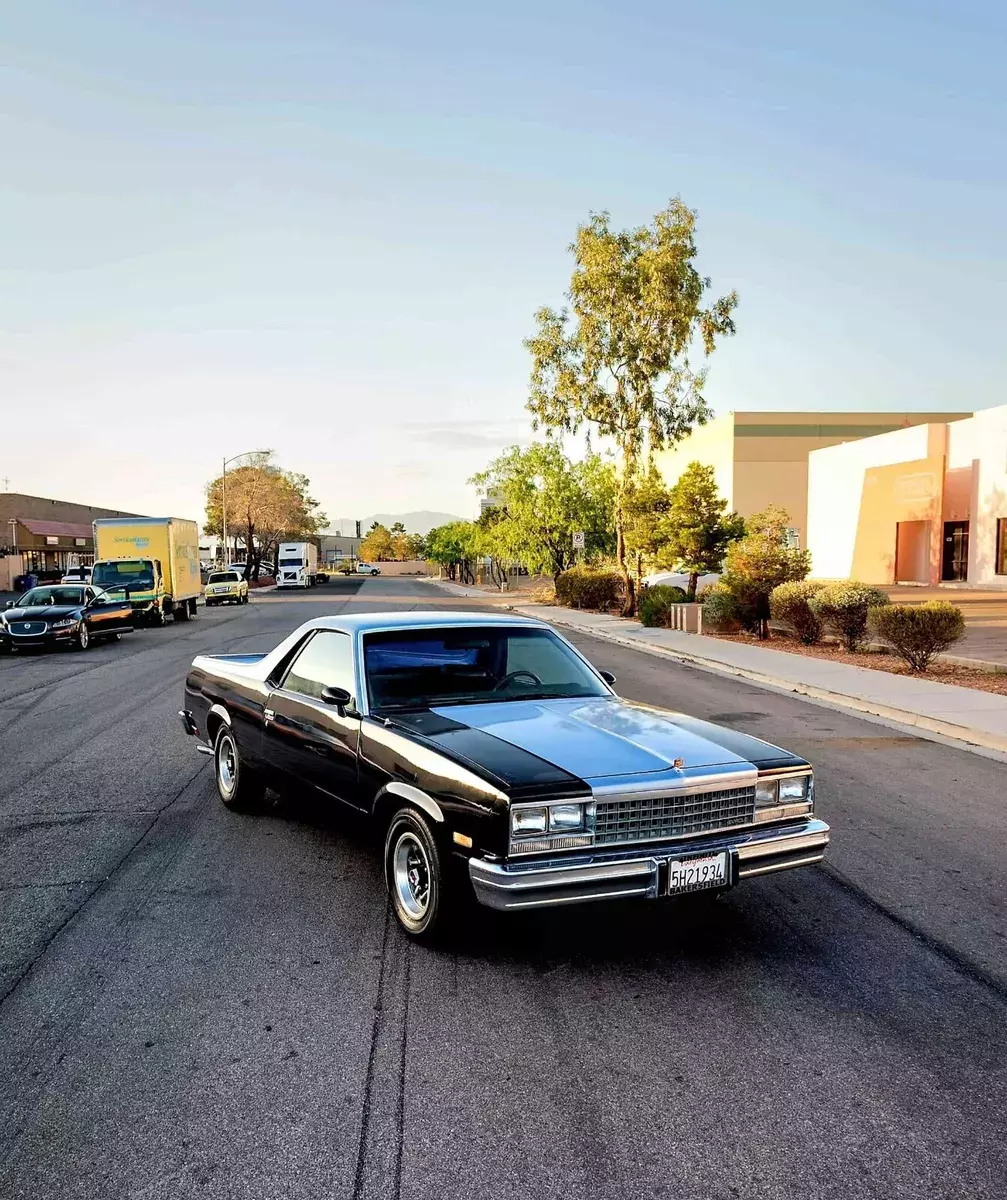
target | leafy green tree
x=622, y=362
x=453, y=547
x=759, y=562
x=698, y=526
x=544, y=499
x=398, y=528
x=646, y=502
x=379, y=545
x=416, y=546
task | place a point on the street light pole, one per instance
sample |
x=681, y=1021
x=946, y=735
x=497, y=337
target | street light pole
x=223, y=501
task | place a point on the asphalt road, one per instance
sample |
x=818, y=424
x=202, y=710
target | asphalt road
x=199, y=1004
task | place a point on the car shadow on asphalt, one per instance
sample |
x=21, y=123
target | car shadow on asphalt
x=697, y=929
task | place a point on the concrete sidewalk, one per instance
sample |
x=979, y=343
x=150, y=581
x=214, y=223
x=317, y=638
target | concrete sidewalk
x=966, y=715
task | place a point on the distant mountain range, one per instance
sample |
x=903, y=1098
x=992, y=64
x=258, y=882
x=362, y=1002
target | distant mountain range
x=415, y=522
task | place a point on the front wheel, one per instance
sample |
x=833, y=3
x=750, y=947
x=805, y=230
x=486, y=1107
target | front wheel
x=238, y=786
x=158, y=617
x=416, y=875
x=83, y=638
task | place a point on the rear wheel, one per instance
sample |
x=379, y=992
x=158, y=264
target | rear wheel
x=238, y=786
x=416, y=875
x=181, y=612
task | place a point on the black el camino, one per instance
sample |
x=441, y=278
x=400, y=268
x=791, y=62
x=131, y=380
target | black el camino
x=64, y=614
x=497, y=759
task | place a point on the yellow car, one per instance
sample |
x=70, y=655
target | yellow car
x=226, y=587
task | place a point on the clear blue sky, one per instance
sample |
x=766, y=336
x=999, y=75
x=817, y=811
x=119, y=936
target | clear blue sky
x=324, y=228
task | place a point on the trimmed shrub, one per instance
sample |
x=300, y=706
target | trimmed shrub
x=589, y=587
x=655, y=603
x=759, y=562
x=789, y=603
x=917, y=632
x=719, y=608
x=844, y=609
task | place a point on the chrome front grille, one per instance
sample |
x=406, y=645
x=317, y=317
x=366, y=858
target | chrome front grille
x=28, y=628
x=649, y=819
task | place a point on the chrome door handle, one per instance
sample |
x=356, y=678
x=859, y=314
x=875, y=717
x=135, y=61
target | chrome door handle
x=268, y=715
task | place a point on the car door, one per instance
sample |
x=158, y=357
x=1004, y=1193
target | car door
x=103, y=614
x=305, y=738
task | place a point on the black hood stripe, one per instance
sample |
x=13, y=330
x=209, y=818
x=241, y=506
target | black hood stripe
x=518, y=772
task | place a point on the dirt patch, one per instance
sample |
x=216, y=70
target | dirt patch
x=875, y=660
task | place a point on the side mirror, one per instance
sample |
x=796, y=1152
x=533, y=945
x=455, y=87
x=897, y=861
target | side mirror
x=338, y=697
x=9, y=604
x=607, y=676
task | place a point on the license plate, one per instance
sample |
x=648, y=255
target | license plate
x=695, y=874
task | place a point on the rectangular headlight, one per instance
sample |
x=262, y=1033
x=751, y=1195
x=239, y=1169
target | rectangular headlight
x=794, y=788
x=767, y=793
x=566, y=817
x=529, y=820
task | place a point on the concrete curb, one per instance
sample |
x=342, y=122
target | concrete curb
x=962, y=734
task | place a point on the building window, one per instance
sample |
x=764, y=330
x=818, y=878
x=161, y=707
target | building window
x=1001, y=546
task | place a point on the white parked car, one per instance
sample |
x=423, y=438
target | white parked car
x=77, y=575
x=677, y=579
x=367, y=569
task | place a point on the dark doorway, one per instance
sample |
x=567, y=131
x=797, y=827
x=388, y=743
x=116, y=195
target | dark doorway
x=956, y=550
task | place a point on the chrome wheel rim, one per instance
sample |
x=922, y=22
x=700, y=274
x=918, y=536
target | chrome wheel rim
x=411, y=875
x=84, y=637
x=226, y=767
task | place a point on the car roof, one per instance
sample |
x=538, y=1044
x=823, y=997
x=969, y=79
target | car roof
x=432, y=619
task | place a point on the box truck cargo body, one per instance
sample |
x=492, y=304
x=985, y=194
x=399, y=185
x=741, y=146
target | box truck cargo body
x=297, y=564
x=153, y=559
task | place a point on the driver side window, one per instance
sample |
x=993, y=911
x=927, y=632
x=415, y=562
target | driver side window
x=326, y=661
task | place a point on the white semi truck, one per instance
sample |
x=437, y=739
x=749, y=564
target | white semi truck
x=297, y=565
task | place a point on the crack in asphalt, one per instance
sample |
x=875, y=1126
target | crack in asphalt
x=961, y=963
x=100, y=885
x=365, y=1115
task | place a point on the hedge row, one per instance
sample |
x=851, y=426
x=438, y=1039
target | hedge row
x=590, y=587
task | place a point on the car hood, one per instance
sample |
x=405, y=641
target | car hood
x=42, y=612
x=601, y=737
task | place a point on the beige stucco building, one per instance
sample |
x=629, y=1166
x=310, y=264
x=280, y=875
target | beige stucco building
x=761, y=458
x=921, y=505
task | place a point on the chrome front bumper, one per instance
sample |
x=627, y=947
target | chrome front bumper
x=644, y=872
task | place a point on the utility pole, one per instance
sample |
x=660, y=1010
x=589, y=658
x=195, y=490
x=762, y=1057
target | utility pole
x=223, y=501
x=6, y=483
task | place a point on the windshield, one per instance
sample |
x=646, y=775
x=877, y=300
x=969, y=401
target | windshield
x=291, y=562
x=41, y=596
x=138, y=573
x=224, y=577
x=427, y=667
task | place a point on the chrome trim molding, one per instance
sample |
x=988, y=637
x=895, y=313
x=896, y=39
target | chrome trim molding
x=218, y=710
x=680, y=783
x=546, y=884
x=414, y=796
